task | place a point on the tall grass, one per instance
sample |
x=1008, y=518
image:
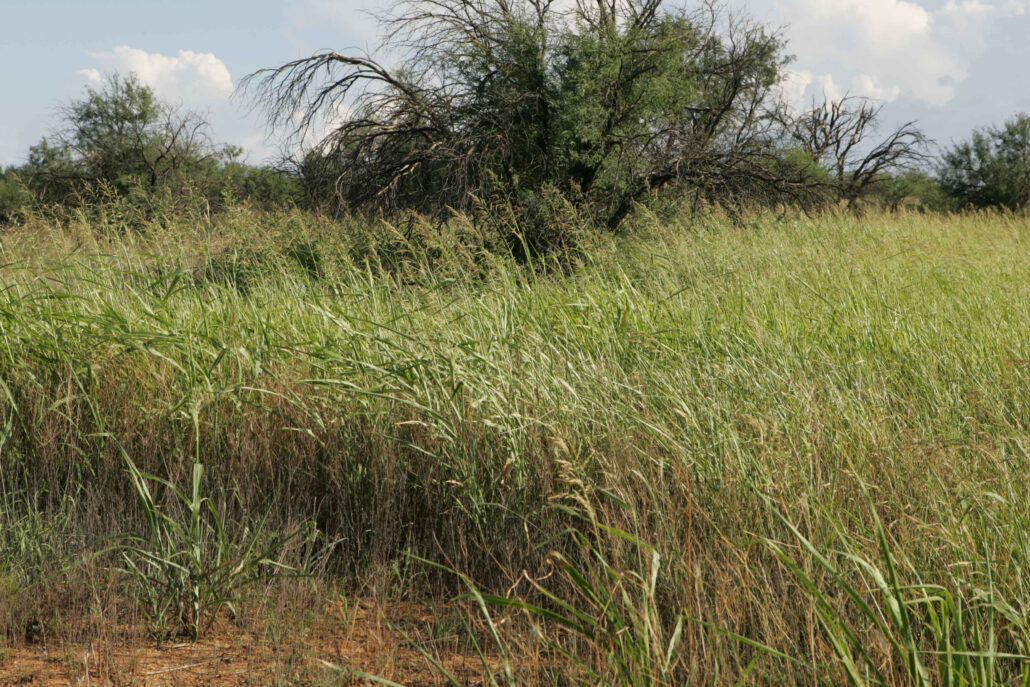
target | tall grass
x=187, y=570
x=926, y=634
x=413, y=395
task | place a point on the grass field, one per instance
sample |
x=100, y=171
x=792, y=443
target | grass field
x=782, y=451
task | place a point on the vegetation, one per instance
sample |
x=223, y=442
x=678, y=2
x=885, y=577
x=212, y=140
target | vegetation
x=833, y=137
x=692, y=400
x=564, y=314
x=601, y=105
x=596, y=108
x=188, y=570
x=915, y=189
x=14, y=196
x=121, y=142
x=992, y=169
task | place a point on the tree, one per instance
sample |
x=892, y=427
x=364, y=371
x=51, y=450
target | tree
x=607, y=102
x=51, y=172
x=913, y=189
x=834, y=137
x=992, y=168
x=14, y=196
x=121, y=135
x=123, y=139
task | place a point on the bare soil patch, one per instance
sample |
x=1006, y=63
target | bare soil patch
x=362, y=637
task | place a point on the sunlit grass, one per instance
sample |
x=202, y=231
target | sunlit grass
x=411, y=397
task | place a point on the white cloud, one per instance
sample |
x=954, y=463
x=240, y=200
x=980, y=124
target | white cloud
x=800, y=88
x=889, y=48
x=92, y=76
x=188, y=76
x=867, y=86
x=970, y=21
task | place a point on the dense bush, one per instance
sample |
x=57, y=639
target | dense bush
x=914, y=190
x=992, y=168
x=607, y=104
x=15, y=196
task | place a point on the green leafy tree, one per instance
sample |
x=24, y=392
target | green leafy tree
x=14, y=195
x=914, y=190
x=607, y=103
x=51, y=172
x=121, y=135
x=122, y=138
x=264, y=186
x=992, y=168
x=227, y=178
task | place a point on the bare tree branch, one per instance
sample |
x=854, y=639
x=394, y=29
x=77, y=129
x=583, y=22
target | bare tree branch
x=835, y=135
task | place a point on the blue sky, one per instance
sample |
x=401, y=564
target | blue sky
x=951, y=64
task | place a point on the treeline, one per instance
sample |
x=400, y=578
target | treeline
x=122, y=144
x=527, y=108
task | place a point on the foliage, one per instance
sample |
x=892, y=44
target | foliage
x=263, y=186
x=190, y=566
x=913, y=190
x=121, y=135
x=992, y=168
x=606, y=103
x=15, y=196
x=121, y=142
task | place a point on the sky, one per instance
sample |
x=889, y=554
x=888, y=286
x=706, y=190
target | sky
x=952, y=65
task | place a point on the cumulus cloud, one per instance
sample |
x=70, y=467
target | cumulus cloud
x=187, y=76
x=801, y=87
x=885, y=49
x=92, y=76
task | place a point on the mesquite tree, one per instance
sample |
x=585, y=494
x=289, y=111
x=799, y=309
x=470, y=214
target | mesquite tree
x=124, y=136
x=992, y=168
x=606, y=102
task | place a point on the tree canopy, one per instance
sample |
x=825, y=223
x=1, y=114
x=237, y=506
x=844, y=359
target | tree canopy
x=122, y=141
x=120, y=134
x=992, y=168
x=834, y=136
x=606, y=101
x=522, y=105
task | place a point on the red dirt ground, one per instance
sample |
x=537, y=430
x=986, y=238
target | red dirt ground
x=233, y=656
